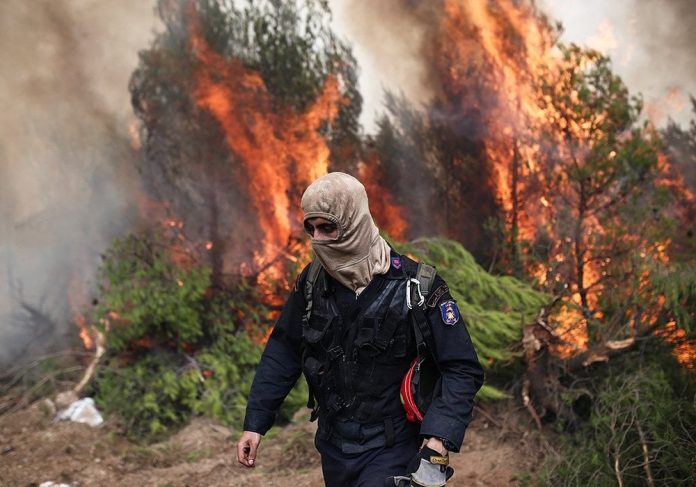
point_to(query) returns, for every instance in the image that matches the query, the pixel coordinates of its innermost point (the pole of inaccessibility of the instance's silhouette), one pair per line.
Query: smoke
(67, 173)
(651, 43)
(390, 40)
(665, 64)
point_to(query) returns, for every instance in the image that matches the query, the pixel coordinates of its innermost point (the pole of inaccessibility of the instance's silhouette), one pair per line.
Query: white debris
(81, 411)
(52, 484)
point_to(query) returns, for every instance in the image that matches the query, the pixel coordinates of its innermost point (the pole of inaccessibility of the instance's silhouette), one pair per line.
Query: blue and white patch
(396, 262)
(449, 312)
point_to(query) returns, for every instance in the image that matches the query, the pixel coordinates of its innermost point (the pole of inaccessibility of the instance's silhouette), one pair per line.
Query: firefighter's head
(344, 236)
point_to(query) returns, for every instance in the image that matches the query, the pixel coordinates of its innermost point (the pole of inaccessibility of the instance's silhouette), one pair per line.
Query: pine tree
(495, 308)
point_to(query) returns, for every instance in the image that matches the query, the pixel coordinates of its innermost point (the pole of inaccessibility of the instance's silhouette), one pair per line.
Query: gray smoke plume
(67, 180)
(651, 45)
(390, 40)
(665, 59)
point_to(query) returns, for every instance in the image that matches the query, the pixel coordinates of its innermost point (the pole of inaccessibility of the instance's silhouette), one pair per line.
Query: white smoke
(389, 43)
(651, 42)
(67, 173)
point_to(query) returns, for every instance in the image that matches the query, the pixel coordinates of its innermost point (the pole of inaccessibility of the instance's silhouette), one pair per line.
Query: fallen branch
(65, 398)
(601, 352)
(89, 372)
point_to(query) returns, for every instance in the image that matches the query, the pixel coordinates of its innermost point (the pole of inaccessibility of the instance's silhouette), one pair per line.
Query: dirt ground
(33, 450)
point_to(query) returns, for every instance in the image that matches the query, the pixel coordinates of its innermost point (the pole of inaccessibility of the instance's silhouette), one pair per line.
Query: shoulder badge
(449, 312)
(396, 262)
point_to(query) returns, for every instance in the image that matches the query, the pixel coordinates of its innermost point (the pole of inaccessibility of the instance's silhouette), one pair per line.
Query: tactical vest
(354, 365)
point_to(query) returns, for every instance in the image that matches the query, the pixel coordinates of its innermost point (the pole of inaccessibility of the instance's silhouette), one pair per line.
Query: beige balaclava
(359, 252)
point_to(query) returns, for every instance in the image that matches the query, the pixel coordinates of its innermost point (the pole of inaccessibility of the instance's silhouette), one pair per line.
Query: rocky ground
(34, 449)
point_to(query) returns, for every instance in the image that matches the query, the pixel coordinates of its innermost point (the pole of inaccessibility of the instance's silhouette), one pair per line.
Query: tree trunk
(580, 251)
(515, 257)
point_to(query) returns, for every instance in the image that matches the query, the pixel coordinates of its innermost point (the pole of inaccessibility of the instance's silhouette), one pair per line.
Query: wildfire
(684, 349)
(273, 150)
(280, 149)
(671, 179)
(181, 250)
(389, 215)
(505, 44)
(78, 298)
(659, 109)
(489, 57)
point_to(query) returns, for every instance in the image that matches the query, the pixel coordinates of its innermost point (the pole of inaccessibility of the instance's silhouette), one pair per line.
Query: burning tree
(680, 152)
(570, 190)
(241, 109)
(437, 174)
(603, 206)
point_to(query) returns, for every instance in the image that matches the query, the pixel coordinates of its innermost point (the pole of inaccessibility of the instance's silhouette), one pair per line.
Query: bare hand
(246, 448)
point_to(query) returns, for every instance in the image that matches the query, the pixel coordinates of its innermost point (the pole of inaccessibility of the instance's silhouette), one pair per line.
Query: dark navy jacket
(446, 418)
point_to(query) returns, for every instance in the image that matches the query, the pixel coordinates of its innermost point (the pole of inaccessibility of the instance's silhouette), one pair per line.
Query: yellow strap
(439, 460)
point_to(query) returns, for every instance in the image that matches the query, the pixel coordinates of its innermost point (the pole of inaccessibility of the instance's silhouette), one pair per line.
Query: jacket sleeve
(280, 365)
(462, 376)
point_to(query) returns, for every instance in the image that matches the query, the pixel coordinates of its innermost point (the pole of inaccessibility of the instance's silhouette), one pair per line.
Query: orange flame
(684, 349)
(489, 56)
(505, 44)
(78, 298)
(388, 215)
(280, 149)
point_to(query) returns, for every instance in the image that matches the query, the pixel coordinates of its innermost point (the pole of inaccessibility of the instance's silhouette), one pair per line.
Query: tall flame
(489, 56)
(280, 149)
(389, 216)
(505, 44)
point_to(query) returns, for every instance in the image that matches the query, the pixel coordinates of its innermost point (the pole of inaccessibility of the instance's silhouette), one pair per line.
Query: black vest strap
(426, 276)
(421, 327)
(312, 274)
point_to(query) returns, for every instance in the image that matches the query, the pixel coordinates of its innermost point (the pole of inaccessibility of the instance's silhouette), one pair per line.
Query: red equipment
(418, 387)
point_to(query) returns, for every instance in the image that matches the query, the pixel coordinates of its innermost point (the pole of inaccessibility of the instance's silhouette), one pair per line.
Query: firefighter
(349, 331)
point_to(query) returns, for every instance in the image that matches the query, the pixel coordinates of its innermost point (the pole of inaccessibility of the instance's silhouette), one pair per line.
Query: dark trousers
(366, 469)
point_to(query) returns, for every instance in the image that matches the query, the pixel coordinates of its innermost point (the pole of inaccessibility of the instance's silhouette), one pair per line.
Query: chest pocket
(319, 331)
(384, 338)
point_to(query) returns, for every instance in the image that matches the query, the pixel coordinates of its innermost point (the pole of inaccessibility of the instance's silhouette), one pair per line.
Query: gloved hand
(428, 469)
